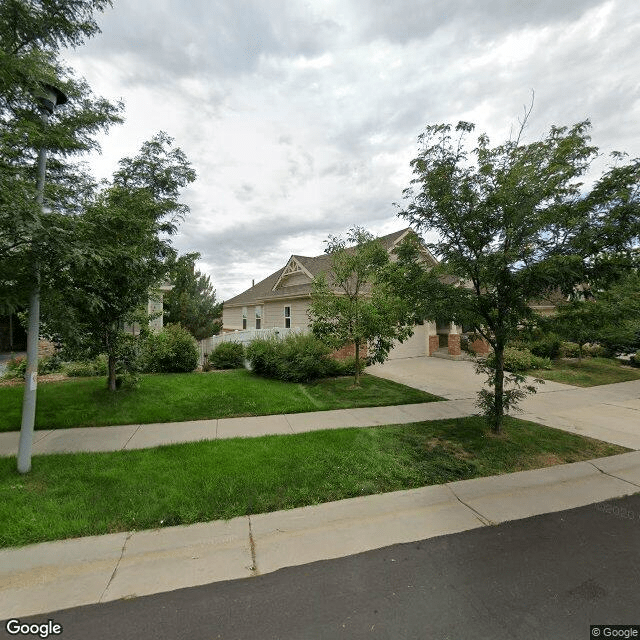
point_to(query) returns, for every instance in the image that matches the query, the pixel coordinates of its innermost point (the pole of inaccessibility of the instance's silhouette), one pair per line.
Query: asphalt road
(547, 577)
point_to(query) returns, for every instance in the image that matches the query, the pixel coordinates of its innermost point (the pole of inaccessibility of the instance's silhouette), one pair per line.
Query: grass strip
(178, 397)
(82, 494)
(588, 373)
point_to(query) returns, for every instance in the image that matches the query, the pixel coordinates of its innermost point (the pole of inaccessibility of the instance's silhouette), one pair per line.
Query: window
(258, 317)
(244, 317)
(287, 317)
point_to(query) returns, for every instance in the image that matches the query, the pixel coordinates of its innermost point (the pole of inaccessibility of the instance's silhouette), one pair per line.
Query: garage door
(413, 347)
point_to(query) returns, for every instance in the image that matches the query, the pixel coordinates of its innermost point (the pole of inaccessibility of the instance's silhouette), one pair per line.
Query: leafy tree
(31, 36)
(514, 224)
(123, 251)
(352, 304)
(610, 317)
(192, 301)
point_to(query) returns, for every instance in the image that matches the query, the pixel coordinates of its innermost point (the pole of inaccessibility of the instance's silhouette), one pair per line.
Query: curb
(52, 576)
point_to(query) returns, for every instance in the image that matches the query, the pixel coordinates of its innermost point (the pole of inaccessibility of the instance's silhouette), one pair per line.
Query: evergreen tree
(192, 301)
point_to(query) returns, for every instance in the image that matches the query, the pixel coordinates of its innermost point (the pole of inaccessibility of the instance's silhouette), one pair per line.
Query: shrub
(595, 351)
(173, 350)
(80, 369)
(635, 359)
(263, 356)
(540, 363)
(570, 350)
(296, 358)
(101, 365)
(50, 364)
(546, 347)
(519, 360)
(227, 355)
(16, 367)
(345, 366)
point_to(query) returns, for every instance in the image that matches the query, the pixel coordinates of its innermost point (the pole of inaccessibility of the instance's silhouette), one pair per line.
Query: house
(155, 307)
(282, 300)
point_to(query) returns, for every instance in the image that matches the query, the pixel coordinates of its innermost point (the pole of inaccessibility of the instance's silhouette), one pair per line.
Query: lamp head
(49, 97)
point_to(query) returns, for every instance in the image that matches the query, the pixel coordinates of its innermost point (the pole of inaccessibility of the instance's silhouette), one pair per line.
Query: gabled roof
(294, 266)
(269, 289)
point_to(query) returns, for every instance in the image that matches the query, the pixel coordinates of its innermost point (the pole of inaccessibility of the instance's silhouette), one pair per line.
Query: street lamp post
(47, 99)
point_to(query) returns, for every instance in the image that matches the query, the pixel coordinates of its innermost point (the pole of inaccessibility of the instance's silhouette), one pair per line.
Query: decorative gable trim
(424, 250)
(294, 267)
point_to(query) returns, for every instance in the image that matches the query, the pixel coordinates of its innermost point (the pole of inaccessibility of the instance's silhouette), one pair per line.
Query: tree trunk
(356, 382)
(112, 372)
(498, 390)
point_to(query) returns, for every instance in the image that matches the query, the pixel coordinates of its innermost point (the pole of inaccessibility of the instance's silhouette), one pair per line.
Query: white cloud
(301, 119)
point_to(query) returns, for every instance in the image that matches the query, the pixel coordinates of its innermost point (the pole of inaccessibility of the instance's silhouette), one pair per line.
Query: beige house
(282, 301)
(155, 307)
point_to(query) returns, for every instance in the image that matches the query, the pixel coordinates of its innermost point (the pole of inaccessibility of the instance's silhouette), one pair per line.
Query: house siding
(274, 313)
(295, 279)
(232, 318)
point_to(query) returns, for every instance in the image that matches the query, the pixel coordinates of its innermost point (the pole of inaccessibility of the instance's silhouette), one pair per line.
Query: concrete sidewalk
(50, 576)
(137, 436)
(57, 575)
(610, 413)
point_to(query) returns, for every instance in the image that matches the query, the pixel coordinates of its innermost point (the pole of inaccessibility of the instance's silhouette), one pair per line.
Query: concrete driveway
(606, 412)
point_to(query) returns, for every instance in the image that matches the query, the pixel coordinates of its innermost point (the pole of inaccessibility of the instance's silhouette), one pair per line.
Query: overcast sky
(301, 118)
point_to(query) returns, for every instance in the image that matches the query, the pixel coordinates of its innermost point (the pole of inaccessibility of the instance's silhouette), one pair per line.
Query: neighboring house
(283, 298)
(155, 309)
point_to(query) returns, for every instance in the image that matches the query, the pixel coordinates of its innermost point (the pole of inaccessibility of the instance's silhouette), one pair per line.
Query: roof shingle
(315, 265)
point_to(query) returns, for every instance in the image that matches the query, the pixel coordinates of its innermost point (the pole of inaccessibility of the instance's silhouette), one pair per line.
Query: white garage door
(414, 346)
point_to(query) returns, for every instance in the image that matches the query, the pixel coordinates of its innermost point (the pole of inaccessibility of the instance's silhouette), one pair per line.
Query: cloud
(301, 118)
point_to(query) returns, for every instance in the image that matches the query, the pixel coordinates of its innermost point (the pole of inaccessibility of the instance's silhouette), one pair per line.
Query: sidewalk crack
(44, 437)
(284, 415)
(124, 446)
(620, 406)
(478, 515)
(113, 575)
(634, 484)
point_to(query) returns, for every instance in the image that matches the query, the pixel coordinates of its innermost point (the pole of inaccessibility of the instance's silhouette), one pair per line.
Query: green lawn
(176, 397)
(588, 373)
(85, 494)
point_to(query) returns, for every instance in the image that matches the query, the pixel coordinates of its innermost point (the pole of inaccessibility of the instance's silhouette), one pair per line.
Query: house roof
(268, 288)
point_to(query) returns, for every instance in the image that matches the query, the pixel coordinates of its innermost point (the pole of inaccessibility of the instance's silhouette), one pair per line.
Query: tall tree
(124, 250)
(192, 301)
(514, 224)
(31, 36)
(352, 304)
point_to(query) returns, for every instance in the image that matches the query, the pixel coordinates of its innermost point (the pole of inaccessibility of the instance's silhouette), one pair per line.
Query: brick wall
(349, 351)
(434, 344)
(454, 344)
(480, 346)
(45, 348)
